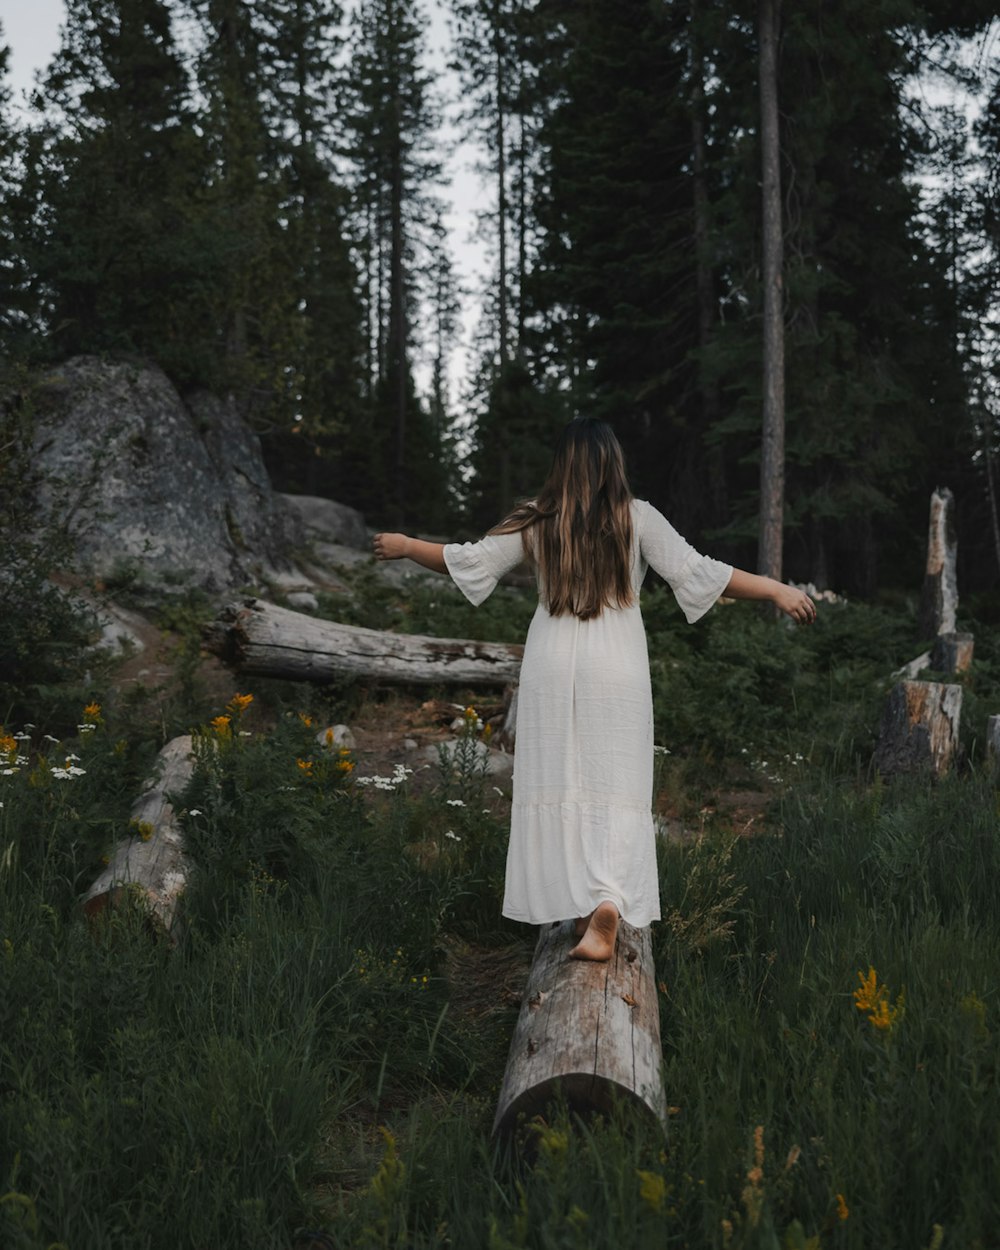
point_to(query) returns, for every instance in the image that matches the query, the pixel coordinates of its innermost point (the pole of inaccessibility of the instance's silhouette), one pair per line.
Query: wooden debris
(919, 728)
(262, 639)
(150, 861)
(588, 1031)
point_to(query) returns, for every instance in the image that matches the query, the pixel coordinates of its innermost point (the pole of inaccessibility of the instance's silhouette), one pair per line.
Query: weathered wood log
(589, 1032)
(993, 742)
(939, 600)
(919, 728)
(952, 653)
(261, 639)
(151, 860)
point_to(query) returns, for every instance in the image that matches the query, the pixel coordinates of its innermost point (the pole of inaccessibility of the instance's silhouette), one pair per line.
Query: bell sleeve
(696, 580)
(476, 568)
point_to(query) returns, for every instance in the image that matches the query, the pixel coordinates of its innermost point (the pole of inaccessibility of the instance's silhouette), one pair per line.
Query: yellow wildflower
(652, 1189)
(328, 737)
(843, 1210)
(142, 828)
(221, 726)
(8, 745)
(306, 766)
(239, 703)
(92, 713)
(873, 999)
(344, 766)
(306, 720)
(471, 713)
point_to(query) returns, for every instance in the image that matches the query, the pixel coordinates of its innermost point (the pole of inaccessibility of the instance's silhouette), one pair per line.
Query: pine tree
(111, 169)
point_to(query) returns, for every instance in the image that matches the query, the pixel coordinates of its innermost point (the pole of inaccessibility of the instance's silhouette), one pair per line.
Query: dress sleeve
(696, 580)
(476, 568)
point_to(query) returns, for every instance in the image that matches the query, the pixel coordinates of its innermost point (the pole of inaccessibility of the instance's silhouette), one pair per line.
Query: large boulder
(328, 522)
(162, 492)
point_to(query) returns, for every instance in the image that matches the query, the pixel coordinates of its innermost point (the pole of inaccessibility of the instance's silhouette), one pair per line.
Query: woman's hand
(795, 603)
(390, 546)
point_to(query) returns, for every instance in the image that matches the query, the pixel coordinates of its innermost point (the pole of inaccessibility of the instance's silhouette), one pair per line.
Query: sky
(31, 29)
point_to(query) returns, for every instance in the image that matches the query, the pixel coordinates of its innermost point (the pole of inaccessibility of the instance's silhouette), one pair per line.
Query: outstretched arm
(794, 603)
(401, 546)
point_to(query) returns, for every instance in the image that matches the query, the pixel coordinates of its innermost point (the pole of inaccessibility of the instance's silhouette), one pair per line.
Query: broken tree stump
(993, 742)
(919, 728)
(939, 599)
(261, 639)
(589, 1032)
(952, 653)
(151, 860)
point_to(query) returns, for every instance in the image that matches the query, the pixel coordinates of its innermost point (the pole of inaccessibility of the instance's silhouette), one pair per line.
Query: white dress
(581, 819)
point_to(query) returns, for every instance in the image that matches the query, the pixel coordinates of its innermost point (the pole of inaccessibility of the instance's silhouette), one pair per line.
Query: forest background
(249, 195)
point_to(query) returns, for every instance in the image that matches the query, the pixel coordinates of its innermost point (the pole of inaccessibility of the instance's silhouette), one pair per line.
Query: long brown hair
(578, 531)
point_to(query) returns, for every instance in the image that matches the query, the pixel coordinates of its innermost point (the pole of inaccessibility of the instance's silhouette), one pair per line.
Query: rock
(160, 493)
(302, 601)
(410, 744)
(336, 736)
(498, 763)
(327, 521)
(121, 630)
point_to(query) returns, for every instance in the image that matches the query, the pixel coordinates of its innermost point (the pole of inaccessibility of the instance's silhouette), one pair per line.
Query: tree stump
(939, 600)
(261, 639)
(919, 728)
(588, 1031)
(993, 742)
(151, 860)
(952, 653)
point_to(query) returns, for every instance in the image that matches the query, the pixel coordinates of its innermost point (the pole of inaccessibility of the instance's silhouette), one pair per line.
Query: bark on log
(919, 728)
(952, 653)
(590, 1031)
(261, 639)
(939, 600)
(156, 866)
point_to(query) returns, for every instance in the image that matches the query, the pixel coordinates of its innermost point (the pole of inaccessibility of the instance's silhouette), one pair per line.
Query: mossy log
(587, 1032)
(261, 639)
(919, 729)
(150, 862)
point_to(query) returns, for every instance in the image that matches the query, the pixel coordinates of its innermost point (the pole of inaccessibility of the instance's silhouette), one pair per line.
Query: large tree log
(261, 639)
(588, 1031)
(151, 860)
(939, 600)
(919, 728)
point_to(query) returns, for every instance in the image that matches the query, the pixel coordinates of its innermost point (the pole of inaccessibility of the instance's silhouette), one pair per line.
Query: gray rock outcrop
(325, 521)
(160, 492)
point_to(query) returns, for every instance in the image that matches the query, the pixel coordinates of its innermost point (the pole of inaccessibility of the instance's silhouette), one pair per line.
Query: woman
(582, 841)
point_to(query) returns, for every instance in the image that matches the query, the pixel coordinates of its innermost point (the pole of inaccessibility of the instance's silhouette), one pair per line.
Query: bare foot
(598, 943)
(580, 925)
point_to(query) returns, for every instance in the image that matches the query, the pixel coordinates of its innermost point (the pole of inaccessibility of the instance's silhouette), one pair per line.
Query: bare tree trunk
(772, 457)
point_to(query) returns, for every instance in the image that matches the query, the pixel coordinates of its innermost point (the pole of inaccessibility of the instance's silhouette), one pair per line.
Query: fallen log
(919, 728)
(588, 1032)
(151, 860)
(262, 639)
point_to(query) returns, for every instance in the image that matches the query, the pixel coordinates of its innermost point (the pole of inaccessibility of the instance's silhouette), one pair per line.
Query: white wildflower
(449, 833)
(455, 802)
(497, 790)
(86, 729)
(195, 811)
(49, 738)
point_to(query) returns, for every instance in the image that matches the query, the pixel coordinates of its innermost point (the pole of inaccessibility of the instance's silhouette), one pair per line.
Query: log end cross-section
(586, 1032)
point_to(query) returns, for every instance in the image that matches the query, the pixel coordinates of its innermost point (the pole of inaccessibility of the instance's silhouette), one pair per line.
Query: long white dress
(581, 819)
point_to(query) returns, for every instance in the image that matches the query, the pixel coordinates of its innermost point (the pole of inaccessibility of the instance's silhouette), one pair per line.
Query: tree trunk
(590, 1031)
(772, 454)
(263, 640)
(151, 861)
(952, 653)
(993, 742)
(919, 729)
(939, 600)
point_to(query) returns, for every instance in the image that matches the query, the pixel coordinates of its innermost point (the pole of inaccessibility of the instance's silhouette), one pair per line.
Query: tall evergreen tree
(393, 126)
(112, 168)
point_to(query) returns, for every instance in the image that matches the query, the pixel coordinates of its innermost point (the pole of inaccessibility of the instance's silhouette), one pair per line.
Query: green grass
(309, 1057)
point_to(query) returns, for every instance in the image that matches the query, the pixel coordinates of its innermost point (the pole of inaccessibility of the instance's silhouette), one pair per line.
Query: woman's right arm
(401, 546)
(794, 603)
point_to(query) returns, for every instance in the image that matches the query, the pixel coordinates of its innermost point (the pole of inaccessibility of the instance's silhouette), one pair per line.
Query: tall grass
(310, 1056)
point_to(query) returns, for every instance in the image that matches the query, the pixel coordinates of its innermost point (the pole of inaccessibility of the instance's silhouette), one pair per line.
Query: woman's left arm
(794, 603)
